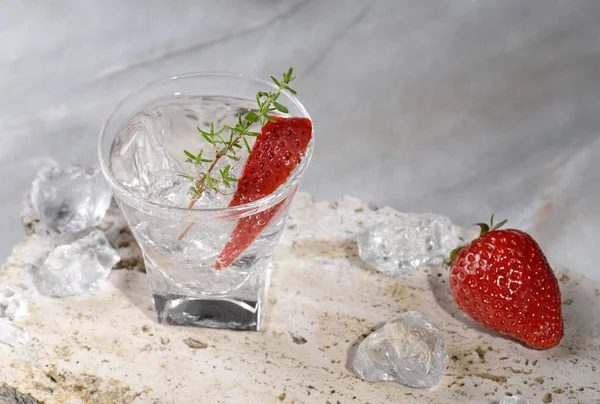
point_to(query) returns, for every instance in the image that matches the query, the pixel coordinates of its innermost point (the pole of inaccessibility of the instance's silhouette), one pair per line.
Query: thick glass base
(213, 313)
(232, 298)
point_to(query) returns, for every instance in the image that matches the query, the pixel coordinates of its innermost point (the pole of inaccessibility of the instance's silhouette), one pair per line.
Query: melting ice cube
(78, 268)
(70, 199)
(12, 304)
(409, 241)
(408, 350)
(168, 188)
(12, 334)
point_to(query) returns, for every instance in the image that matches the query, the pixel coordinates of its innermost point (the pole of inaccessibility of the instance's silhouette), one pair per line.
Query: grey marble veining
(463, 108)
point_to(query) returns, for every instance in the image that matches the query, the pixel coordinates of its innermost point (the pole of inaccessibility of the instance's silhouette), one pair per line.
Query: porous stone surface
(323, 301)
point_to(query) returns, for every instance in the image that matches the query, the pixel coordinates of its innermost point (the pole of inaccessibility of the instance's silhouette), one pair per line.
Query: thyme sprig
(229, 140)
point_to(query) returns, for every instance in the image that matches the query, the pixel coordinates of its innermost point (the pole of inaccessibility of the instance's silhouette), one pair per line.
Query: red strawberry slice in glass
(276, 153)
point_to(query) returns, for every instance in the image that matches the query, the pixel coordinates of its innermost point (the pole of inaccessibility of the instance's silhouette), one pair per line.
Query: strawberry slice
(276, 153)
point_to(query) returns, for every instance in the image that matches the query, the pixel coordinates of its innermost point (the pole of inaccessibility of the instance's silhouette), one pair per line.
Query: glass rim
(270, 200)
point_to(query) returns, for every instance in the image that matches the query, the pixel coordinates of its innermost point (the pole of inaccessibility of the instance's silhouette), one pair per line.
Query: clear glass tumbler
(141, 141)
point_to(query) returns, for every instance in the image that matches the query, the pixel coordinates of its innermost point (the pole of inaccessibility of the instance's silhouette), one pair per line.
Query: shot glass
(142, 140)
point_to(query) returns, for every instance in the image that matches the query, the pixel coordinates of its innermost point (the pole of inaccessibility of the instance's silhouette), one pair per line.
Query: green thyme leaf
(280, 107)
(291, 90)
(251, 116)
(247, 145)
(187, 177)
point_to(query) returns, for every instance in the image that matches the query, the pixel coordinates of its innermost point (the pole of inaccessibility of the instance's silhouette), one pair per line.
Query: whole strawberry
(503, 281)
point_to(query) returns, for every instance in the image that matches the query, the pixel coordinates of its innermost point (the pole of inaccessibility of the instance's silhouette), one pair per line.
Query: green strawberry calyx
(485, 228)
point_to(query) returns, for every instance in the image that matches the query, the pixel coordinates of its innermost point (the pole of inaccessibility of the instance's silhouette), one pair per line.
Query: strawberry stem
(502, 223)
(485, 228)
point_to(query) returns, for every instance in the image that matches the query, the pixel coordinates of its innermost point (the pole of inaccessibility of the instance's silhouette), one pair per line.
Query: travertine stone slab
(323, 301)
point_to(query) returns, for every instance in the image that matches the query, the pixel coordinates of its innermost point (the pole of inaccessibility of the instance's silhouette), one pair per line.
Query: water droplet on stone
(513, 400)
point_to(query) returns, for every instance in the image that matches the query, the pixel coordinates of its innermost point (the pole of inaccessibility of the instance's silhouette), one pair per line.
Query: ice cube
(11, 334)
(78, 268)
(407, 242)
(513, 400)
(168, 188)
(408, 350)
(12, 304)
(139, 149)
(70, 199)
(151, 143)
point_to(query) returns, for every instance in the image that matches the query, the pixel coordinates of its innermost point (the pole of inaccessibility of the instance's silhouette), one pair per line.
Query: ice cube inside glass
(141, 153)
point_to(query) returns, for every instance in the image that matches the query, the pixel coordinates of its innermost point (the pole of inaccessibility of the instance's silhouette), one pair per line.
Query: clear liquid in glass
(145, 158)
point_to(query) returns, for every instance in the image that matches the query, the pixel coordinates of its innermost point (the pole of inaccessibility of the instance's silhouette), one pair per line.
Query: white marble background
(459, 107)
